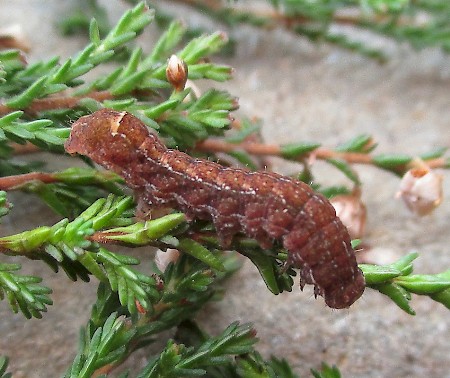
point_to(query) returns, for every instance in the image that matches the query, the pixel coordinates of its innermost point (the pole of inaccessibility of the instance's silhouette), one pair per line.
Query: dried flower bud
(163, 259)
(352, 212)
(421, 190)
(139, 307)
(177, 72)
(12, 37)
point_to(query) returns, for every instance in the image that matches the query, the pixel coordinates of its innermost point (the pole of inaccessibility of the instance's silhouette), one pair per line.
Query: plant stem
(15, 182)
(58, 102)
(273, 19)
(321, 153)
(23, 149)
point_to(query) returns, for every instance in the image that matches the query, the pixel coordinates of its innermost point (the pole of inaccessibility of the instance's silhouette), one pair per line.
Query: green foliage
(326, 372)
(23, 292)
(187, 285)
(187, 122)
(249, 365)
(346, 169)
(361, 143)
(67, 244)
(74, 190)
(113, 331)
(198, 251)
(132, 286)
(296, 150)
(176, 360)
(397, 282)
(69, 238)
(391, 161)
(3, 366)
(399, 20)
(270, 263)
(38, 132)
(281, 368)
(107, 344)
(42, 79)
(141, 233)
(4, 205)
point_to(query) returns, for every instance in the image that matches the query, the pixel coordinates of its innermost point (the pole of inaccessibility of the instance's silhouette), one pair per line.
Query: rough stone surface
(302, 92)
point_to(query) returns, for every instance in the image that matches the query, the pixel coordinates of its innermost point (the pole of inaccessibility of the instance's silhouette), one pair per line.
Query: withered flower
(12, 37)
(421, 190)
(352, 212)
(163, 259)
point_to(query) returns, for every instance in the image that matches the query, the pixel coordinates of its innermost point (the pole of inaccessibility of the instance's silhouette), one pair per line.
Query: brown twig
(58, 102)
(23, 149)
(341, 18)
(350, 16)
(321, 153)
(16, 181)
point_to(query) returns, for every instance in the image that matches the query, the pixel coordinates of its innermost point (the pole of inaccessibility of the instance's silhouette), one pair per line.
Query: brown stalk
(57, 102)
(275, 18)
(15, 182)
(321, 153)
(23, 149)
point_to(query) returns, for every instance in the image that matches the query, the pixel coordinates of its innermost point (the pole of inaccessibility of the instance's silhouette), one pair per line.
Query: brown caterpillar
(262, 205)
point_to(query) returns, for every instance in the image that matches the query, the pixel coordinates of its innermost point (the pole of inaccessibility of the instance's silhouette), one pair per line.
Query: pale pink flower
(163, 259)
(352, 213)
(421, 190)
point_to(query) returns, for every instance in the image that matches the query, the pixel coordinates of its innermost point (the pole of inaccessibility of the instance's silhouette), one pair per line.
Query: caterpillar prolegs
(262, 205)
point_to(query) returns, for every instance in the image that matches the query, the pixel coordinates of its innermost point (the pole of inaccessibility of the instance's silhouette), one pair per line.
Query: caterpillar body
(262, 205)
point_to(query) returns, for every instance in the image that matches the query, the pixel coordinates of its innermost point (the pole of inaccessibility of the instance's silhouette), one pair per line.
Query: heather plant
(39, 102)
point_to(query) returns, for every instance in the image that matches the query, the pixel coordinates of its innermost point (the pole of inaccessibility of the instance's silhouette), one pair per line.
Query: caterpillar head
(345, 295)
(108, 137)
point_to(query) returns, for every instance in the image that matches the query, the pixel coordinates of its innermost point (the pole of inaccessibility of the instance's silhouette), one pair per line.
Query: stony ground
(301, 92)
